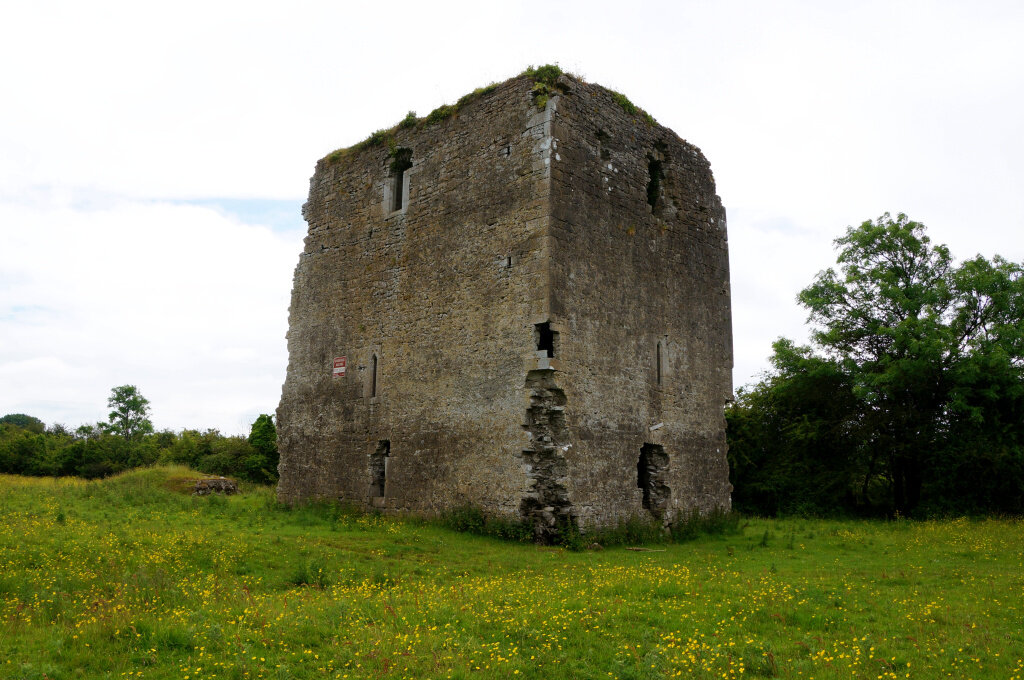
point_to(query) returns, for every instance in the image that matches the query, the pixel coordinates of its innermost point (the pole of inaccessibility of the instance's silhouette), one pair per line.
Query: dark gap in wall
(602, 137)
(658, 361)
(373, 377)
(651, 469)
(401, 161)
(545, 338)
(379, 468)
(656, 173)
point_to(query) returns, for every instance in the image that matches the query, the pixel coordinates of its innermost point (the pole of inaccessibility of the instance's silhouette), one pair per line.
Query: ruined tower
(518, 303)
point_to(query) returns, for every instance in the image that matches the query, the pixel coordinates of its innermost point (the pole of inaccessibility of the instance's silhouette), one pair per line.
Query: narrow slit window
(657, 361)
(373, 376)
(397, 190)
(545, 338)
(654, 184)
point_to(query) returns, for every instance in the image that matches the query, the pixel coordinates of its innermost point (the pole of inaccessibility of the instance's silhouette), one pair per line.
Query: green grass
(131, 576)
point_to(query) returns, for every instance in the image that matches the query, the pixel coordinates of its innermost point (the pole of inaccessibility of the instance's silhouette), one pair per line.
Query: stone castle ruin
(519, 303)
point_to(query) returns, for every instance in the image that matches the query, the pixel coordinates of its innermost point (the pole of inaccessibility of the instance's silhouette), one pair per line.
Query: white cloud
(120, 114)
(182, 301)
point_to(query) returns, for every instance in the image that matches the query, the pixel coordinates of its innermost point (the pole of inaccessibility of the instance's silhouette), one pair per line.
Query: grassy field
(132, 577)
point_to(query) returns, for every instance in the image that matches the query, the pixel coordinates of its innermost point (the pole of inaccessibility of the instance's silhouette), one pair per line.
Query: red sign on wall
(339, 367)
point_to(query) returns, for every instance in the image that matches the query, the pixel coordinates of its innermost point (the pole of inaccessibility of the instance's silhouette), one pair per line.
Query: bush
(471, 520)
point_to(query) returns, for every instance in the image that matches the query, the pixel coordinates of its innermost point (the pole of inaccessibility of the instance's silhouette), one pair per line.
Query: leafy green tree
(130, 415)
(933, 357)
(790, 449)
(20, 449)
(263, 435)
(262, 465)
(905, 324)
(23, 421)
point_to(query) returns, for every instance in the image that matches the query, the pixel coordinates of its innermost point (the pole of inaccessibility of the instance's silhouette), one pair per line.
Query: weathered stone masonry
(533, 304)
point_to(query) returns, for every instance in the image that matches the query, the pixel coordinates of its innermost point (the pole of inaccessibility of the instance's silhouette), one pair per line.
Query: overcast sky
(154, 158)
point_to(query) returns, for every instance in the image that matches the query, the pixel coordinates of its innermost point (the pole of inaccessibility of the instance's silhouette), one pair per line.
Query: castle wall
(539, 330)
(443, 293)
(627, 277)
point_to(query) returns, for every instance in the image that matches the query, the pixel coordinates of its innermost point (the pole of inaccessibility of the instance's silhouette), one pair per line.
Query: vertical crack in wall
(546, 504)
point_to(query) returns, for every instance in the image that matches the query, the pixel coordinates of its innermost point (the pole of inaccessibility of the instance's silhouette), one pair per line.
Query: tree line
(127, 440)
(909, 399)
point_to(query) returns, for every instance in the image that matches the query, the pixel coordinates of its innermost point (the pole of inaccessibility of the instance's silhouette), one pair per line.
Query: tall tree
(261, 466)
(130, 415)
(933, 354)
(884, 317)
(906, 325)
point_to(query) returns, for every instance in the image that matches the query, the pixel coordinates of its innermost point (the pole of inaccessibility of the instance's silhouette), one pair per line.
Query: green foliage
(633, 531)
(912, 399)
(263, 436)
(401, 159)
(311, 572)
(376, 139)
(715, 523)
(623, 102)
(261, 465)
(22, 451)
(143, 577)
(446, 111)
(440, 113)
(545, 78)
(253, 459)
(130, 415)
(547, 74)
(630, 108)
(471, 520)
(792, 450)
(97, 451)
(475, 94)
(545, 82)
(25, 422)
(409, 121)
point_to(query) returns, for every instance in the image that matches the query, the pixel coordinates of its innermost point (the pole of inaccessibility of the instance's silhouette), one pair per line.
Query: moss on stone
(545, 85)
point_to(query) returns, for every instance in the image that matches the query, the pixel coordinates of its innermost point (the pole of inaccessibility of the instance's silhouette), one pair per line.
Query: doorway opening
(651, 472)
(379, 468)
